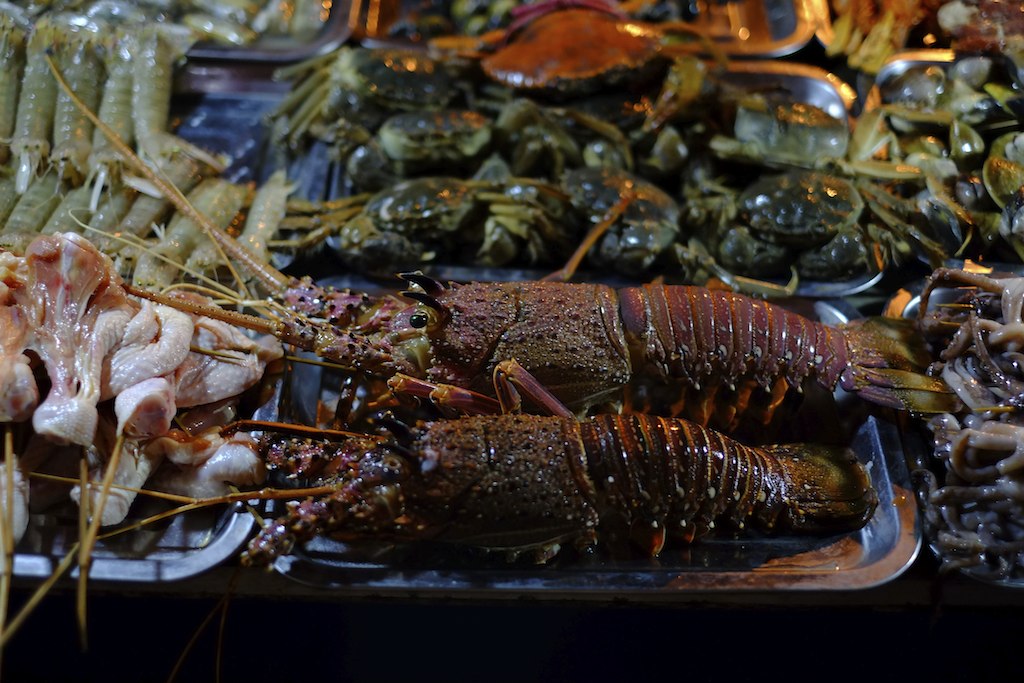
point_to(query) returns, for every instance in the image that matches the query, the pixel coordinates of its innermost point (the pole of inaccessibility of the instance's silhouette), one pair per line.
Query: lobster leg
(511, 382)
(462, 401)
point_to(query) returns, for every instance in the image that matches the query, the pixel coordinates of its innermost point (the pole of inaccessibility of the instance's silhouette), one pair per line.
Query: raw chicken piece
(12, 276)
(19, 394)
(146, 409)
(204, 466)
(78, 310)
(155, 342)
(134, 468)
(238, 365)
(19, 509)
(18, 391)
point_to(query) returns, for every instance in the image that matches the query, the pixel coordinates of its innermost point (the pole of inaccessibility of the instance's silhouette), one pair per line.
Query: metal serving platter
(316, 176)
(211, 67)
(178, 547)
(823, 89)
(770, 28)
(278, 49)
(874, 555)
(190, 544)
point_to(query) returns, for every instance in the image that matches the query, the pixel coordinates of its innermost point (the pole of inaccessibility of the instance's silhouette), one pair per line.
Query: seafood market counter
(168, 599)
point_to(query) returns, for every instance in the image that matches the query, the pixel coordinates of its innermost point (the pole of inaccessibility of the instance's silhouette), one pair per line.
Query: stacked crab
(622, 152)
(480, 154)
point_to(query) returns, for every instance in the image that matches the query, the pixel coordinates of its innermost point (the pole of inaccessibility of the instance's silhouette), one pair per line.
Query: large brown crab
(570, 48)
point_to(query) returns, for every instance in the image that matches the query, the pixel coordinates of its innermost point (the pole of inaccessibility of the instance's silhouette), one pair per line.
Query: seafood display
(612, 347)
(521, 157)
(956, 117)
(230, 24)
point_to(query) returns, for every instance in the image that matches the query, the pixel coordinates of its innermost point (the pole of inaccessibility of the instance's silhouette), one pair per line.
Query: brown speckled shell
(569, 336)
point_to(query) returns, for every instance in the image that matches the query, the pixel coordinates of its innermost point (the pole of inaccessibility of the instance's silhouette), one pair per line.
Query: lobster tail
(888, 361)
(827, 489)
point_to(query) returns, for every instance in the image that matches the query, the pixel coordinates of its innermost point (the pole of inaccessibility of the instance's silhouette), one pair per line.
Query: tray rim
(234, 527)
(807, 23)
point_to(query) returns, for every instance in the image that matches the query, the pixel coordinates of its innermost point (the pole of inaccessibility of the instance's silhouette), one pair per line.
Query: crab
(824, 225)
(360, 87)
(605, 48)
(418, 143)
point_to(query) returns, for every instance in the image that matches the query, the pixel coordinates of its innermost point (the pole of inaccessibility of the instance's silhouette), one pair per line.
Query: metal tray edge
(237, 526)
(336, 30)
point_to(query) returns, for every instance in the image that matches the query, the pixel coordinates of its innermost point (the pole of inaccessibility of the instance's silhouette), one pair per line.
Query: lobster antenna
(400, 432)
(426, 300)
(293, 429)
(426, 283)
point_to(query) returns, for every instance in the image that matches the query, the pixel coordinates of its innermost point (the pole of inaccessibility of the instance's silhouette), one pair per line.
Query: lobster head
(568, 336)
(450, 333)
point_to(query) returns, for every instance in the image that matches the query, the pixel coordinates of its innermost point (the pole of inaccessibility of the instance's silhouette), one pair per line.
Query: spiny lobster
(529, 484)
(715, 357)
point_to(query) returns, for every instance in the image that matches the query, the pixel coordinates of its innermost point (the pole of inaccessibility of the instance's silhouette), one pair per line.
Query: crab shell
(573, 52)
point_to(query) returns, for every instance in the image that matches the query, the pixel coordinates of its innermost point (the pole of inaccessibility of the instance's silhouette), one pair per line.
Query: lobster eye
(419, 319)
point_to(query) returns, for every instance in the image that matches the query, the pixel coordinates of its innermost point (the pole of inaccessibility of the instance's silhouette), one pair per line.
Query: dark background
(916, 628)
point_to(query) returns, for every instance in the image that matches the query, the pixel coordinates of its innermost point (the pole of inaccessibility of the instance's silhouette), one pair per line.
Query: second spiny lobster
(529, 484)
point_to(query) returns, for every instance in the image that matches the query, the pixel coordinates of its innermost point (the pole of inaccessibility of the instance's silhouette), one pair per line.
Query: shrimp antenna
(271, 278)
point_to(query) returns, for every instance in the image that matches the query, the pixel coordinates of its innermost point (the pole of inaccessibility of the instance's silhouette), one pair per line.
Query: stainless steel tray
(216, 68)
(277, 49)
(770, 28)
(825, 90)
(803, 82)
(874, 555)
(190, 544)
(178, 547)
(318, 177)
